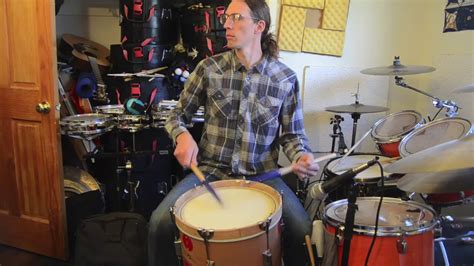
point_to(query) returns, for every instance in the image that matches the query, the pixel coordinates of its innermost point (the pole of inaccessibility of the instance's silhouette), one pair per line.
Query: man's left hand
(305, 166)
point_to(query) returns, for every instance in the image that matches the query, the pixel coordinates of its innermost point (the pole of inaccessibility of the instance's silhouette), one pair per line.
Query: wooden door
(32, 209)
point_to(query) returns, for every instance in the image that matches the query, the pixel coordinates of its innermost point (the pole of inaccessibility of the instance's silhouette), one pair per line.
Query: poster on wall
(459, 15)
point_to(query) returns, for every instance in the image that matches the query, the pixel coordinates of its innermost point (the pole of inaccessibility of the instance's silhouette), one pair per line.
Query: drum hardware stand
(302, 189)
(177, 240)
(131, 186)
(452, 107)
(206, 235)
(349, 222)
(337, 133)
(267, 254)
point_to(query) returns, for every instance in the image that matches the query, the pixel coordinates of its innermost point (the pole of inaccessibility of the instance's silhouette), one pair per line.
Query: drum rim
(383, 230)
(406, 139)
(329, 173)
(101, 108)
(102, 119)
(394, 138)
(221, 234)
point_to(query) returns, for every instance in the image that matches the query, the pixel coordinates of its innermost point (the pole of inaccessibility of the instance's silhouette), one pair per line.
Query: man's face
(240, 33)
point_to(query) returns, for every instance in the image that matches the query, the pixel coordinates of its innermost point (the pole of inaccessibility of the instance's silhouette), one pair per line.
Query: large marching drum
(245, 230)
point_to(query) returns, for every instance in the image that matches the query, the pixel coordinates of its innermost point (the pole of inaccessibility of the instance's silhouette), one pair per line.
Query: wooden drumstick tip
(310, 249)
(198, 172)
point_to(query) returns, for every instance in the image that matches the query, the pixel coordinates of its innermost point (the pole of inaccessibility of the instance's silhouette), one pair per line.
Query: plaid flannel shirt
(248, 115)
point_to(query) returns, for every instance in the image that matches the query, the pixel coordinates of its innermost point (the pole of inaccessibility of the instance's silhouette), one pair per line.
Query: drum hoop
(100, 109)
(395, 138)
(221, 235)
(383, 230)
(407, 138)
(70, 120)
(329, 173)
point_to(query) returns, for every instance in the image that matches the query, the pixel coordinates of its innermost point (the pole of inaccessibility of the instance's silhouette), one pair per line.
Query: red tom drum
(404, 236)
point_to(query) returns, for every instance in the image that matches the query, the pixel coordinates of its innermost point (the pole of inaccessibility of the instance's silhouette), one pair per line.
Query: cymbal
(438, 182)
(452, 155)
(397, 69)
(468, 88)
(356, 108)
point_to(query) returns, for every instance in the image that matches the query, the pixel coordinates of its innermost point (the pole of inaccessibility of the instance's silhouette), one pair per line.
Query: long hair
(260, 10)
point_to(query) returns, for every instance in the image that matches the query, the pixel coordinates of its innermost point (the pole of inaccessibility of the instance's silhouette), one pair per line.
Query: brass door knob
(43, 108)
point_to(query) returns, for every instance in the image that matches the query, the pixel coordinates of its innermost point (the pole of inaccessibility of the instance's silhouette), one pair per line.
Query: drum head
(372, 174)
(245, 205)
(396, 216)
(434, 133)
(396, 125)
(242, 207)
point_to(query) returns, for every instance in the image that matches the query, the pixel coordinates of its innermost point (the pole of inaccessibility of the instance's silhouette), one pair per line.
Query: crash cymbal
(452, 155)
(440, 182)
(468, 88)
(356, 108)
(397, 69)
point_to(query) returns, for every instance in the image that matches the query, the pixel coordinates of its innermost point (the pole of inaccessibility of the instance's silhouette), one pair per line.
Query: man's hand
(305, 166)
(186, 150)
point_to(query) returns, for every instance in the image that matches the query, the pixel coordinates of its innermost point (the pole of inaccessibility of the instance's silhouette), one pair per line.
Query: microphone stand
(349, 222)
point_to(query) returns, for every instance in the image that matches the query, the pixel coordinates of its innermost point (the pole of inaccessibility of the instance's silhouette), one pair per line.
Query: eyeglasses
(234, 17)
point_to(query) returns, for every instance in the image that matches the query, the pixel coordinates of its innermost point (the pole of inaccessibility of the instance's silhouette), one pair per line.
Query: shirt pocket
(267, 111)
(220, 96)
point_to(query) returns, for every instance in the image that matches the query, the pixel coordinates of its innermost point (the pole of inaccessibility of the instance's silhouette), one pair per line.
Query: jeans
(297, 224)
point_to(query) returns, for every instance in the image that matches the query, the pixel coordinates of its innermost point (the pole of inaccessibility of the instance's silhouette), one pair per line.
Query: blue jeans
(297, 224)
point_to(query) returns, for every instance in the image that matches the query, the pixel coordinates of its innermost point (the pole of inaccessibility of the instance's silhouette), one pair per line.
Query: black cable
(437, 113)
(377, 215)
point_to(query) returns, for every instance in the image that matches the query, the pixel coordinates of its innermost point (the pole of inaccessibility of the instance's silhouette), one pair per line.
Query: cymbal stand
(452, 107)
(355, 117)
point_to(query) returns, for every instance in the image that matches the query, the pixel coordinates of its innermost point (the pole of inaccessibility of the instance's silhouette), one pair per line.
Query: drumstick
(310, 249)
(288, 169)
(353, 147)
(203, 180)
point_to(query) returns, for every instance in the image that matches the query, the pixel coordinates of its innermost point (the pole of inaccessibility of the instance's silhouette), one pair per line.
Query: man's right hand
(186, 149)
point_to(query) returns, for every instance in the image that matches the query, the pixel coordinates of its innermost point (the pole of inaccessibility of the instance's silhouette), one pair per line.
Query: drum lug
(339, 235)
(267, 258)
(206, 235)
(402, 245)
(267, 254)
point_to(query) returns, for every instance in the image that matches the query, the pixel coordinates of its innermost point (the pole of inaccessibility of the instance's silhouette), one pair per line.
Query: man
(252, 107)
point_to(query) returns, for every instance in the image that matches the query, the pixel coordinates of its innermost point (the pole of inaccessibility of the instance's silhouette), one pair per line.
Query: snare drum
(405, 234)
(389, 131)
(236, 235)
(113, 109)
(86, 126)
(367, 180)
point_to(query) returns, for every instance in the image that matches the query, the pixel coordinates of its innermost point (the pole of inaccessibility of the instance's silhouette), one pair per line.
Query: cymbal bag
(132, 58)
(149, 92)
(162, 27)
(201, 29)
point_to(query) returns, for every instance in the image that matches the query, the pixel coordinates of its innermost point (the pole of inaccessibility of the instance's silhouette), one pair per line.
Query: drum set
(375, 219)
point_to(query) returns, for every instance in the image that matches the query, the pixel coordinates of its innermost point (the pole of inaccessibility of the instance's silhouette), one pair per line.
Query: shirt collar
(259, 67)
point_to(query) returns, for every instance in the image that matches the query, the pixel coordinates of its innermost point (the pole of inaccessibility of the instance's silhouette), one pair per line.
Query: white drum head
(434, 133)
(242, 207)
(372, 174)
(396, 216)
(395, 125)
